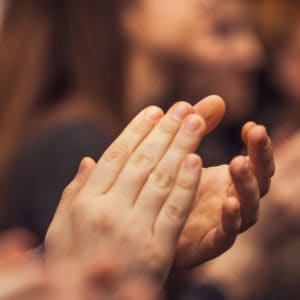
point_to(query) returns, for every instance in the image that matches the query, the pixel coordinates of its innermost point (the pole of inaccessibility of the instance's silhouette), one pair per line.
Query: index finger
(212, 110)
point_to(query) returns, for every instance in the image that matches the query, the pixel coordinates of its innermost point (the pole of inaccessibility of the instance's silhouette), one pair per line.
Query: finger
(25, 279)
(246, 189)
(144, 159)
(13, 244)
(212, 110)
(161, 181)
(85, 169)
(115, 157)
(261, 156)
(218, 239)
(174, 212)
(246, 129)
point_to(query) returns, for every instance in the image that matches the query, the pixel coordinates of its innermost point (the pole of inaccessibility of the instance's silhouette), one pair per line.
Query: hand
(227, 201)
(137, 198)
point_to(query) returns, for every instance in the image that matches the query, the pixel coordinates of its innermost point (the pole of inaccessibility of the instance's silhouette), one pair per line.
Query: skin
(219, 212)
(226, 58)
(213, 41)
(23, 275)
(138, 196)
(227, 201)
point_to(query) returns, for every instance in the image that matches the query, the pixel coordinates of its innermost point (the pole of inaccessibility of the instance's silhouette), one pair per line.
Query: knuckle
(181, 145)
(117, 152)
(142, 160)
(186, 182)
(167, 127)
(104, 222)
(175, 212)
(162, 179)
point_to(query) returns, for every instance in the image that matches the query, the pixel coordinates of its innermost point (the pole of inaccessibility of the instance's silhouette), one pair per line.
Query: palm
(198, 241)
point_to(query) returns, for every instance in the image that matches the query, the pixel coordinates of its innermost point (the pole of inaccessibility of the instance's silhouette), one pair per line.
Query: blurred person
(74, 103)
(90, 225)
(263, 263)
(229, 58)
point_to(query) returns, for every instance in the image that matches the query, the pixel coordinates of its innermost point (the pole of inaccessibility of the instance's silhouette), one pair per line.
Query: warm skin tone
(155, 187)
(23, 276)
(213, 40)
(138, 196)
(227, 55)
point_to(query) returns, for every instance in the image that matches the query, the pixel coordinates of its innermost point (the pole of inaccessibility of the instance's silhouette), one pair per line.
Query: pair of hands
(145, 202)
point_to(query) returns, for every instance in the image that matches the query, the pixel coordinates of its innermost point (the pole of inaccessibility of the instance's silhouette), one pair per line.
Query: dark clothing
(221, 146)
(46, 165)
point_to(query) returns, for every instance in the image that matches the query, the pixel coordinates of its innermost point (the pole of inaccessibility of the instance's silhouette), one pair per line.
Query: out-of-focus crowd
(73, 73)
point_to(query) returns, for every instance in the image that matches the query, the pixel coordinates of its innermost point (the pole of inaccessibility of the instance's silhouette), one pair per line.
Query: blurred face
(213, 38)
(162, 27)
(287, 67)
(226, 55)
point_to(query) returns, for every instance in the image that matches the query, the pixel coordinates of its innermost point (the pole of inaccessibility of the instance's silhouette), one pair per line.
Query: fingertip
(153, 113)
(86, 164)
(193, 162)
(212, 109)
(246, 129)
(194, 123)
(239, 165)
(259, 136)
(217, 101)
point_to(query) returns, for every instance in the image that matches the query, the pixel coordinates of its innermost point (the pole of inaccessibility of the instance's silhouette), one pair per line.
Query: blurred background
(74, 72)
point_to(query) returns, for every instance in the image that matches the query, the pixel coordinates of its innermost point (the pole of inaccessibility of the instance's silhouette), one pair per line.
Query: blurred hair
(276, 19)
(50, 49)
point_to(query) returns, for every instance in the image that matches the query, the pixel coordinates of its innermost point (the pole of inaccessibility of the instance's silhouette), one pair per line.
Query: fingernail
(180, 111)
(192, 123)
(153, 113)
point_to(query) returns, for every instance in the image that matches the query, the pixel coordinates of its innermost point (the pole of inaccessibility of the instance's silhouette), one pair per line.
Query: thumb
(85, 169)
